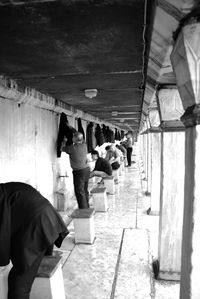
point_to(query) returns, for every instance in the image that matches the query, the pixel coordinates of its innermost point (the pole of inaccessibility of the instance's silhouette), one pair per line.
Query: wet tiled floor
(118, 264)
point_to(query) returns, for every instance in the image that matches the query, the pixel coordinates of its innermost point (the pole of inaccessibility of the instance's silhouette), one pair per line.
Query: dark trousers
(129, 154)
(81, 178)
(19, 284)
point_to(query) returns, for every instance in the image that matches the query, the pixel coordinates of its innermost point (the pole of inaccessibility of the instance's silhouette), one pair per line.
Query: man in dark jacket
(29, 226)
(102, 166)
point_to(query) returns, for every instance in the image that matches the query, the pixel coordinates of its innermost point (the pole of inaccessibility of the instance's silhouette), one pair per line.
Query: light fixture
(153, 117)
(114, 113)
(170, 104)
(90, 93)
(185, 59)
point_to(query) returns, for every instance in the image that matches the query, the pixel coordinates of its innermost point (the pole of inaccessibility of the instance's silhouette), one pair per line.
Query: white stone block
(4, 271)
(116, 175)
(49, 283)
(99, 199)
(109, 184)
(83, 220)
(121, 170)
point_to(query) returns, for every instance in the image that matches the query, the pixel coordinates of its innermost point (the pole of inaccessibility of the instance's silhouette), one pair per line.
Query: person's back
(78, 155)
(81, 171)
(112, 154)
(29, 226)
(128, 142)
(77, 152)
(103, 165)
(129, 148)
(122, 148)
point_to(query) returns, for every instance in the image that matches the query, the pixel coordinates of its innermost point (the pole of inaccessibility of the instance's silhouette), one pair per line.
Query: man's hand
(91, 174)
(63, 144)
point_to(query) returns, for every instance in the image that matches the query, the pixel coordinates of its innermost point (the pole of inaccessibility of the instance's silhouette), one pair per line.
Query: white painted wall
(28, 148)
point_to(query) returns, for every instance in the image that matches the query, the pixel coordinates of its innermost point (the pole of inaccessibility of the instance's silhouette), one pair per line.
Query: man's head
(77, 137)
(107, 148)
(95, 155)
(110, 148)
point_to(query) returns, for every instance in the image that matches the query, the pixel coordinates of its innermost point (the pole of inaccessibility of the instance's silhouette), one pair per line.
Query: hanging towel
(65, 130)
(99, 135)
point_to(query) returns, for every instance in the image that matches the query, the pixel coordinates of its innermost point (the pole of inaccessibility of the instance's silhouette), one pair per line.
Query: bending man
(102, 166)
(29, 226)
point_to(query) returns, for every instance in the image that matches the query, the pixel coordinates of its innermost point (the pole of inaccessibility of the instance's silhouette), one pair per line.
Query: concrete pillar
(171, 204)
(190, 270)
(149, 163)
(155, 173)
(145, 154)
(142, 154)
(185, 59)
(145, 159)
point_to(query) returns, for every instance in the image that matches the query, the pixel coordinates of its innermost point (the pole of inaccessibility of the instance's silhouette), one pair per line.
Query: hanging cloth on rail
(105, 133)
(112, 137)
(117, 137)
(65, 130)
(99, 135)
(109, 132)
(80, 128)
(90, 137)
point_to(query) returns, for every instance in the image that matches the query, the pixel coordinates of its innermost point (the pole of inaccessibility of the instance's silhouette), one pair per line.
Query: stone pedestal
(4, 271)
(116, 175)
(83, 220)
(99, 196)
(171, 207)
(123, 165)
(109, 184)
(49, 282)
(121, 169)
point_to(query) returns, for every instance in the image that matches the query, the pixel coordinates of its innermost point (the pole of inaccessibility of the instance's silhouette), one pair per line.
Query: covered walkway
(119, 263)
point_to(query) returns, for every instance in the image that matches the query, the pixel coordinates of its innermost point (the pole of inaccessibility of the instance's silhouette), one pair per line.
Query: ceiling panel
(64, 47)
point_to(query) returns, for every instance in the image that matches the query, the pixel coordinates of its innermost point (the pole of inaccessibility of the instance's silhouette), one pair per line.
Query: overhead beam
(16, 3)
(170, 9)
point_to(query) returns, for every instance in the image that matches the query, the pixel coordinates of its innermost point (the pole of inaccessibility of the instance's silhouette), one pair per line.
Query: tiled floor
(118, 264)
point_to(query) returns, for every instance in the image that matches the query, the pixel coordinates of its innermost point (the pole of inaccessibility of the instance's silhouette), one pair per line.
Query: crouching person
(29, 227)
(102, 166)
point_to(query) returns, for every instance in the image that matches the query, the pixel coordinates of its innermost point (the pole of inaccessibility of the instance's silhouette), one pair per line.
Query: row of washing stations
(111, 251)
(118, 263)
